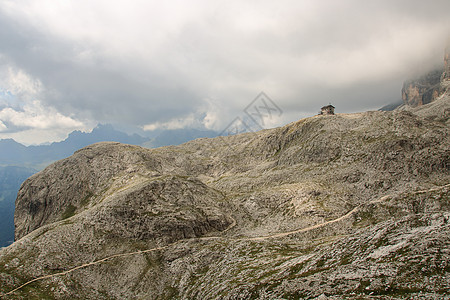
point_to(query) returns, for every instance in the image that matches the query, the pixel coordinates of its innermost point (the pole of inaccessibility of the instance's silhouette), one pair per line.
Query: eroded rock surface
(423, 90)
(344, 206)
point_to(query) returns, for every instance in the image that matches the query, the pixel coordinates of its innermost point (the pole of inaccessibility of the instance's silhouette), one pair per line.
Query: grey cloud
(352, 53)
(104, 90)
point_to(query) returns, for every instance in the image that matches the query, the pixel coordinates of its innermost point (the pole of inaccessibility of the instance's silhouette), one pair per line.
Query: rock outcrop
(427, 88)
(446, 74)
(423, 90)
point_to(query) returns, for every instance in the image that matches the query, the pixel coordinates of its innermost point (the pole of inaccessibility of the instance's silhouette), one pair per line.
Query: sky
(151, 65)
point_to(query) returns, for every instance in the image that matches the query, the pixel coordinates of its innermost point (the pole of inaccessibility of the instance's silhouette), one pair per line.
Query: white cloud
(211, 115)
(17, 85)
(36, 136)
(189, 121)
(22, 84)
(26, 119)
(34, 115)
(211, 120)
(2, 126)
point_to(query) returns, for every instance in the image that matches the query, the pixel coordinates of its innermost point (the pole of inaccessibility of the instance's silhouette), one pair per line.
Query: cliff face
(344, 205)
(427, 88)
(423, 90)
(446, 75)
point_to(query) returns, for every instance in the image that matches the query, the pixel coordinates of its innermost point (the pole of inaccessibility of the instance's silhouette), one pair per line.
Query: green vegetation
(69, 212)
(85, 200)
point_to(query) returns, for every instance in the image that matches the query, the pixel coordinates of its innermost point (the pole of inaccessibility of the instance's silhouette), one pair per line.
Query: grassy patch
(41, 232)
(347, 259)
(69, 212)
(170, 292)
(36, 291)
(85, 200)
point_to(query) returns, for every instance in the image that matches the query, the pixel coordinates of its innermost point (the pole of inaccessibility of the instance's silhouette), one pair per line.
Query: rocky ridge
(344, 206)
(423, 90)
(427, 88)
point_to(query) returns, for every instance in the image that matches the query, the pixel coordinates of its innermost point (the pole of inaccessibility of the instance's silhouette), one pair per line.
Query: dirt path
(283, 234)
(347, 215)
(276, 235)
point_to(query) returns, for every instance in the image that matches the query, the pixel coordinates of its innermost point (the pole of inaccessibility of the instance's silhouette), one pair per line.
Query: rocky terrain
(350, 206)
(446, 74)
(427, 88)
(422, 90)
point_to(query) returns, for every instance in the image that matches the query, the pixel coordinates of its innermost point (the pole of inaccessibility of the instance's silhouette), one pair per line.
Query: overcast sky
(67, 65)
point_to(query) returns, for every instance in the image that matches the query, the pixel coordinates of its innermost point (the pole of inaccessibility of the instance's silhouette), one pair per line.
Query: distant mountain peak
(14, 153)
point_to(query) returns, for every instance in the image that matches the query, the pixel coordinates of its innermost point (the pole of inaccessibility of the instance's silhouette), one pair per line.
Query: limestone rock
(351, 206)
(446, 75)
(423, 90)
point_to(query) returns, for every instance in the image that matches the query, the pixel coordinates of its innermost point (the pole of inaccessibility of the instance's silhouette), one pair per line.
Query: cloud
(21, 84)
(34, 136)
(34, 115)
(207, 116)
(2, 126)
(172, 124)
(153, 63)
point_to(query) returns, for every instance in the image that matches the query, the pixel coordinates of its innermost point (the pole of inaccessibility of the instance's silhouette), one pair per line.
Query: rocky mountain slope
(15, 156)
(422, 90)
(427, 88)
(346, 206)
